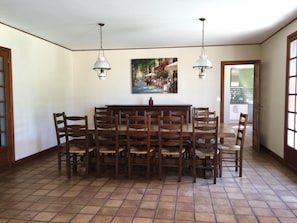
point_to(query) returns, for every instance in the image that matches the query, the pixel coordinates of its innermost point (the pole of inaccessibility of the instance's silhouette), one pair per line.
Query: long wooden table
(224, 130)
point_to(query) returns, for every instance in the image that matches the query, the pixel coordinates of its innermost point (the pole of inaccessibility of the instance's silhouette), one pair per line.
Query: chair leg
(98, 165)
(205, 167)
(194, 168)
(129, 166)
(220, 164)
(215, 170)
(148, 168)
(74, 163)
(160, 167)
(59, 159)
(87, 163)
(236, 161)
(116, 165)
(68, 166)
(240, 164)
(179, 167)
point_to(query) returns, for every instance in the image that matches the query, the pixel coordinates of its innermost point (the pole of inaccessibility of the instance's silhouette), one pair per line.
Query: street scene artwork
(154, 75)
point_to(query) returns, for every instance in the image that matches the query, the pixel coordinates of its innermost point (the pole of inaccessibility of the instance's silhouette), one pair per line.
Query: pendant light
(202, 63)
(101, 65)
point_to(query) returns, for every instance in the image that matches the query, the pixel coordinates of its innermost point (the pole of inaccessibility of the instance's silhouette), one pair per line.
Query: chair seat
(141, 151)
(172, 152)
(63, 145)
(204, 153)
(229, 147)
(78, 150)
(107, 150)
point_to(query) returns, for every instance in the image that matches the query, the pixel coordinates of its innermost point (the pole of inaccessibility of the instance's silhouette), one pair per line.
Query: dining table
(224, 130)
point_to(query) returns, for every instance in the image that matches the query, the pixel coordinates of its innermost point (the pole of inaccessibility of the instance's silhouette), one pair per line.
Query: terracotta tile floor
(36, 192)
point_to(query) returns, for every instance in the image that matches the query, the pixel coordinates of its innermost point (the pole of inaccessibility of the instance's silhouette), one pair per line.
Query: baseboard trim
(272, 154)
(278, 158)
(33, 157)
(52, 149)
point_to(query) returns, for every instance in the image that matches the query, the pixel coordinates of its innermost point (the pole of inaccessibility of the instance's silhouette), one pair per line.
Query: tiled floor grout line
(266, 193)
(245, 198)
(194, 202)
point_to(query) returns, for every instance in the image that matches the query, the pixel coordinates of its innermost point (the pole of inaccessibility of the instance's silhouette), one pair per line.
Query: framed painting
(154, 75)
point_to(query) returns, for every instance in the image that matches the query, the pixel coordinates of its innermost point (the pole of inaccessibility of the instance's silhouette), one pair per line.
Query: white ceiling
(148, 24)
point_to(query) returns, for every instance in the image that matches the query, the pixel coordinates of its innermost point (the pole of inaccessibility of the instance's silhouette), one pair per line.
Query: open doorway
(240, 92)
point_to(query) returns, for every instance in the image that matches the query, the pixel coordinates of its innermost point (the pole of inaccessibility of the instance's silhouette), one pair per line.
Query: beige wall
(42, 84)
(273, 55)
(116, 89)
(48, 78)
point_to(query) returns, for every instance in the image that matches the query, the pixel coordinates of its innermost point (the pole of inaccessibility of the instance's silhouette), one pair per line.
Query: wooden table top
(224, 130)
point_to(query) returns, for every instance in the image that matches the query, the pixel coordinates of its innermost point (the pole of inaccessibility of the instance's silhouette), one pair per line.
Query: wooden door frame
(256, 104)
(8, 153)
(290, 153)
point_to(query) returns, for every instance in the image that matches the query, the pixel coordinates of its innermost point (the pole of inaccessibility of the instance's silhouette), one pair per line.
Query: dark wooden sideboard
(165, 108)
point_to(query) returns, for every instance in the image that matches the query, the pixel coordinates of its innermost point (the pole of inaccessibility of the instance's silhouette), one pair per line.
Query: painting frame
(154, 75)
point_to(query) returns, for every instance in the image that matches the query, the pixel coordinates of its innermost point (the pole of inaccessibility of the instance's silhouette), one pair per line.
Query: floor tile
(36, 192)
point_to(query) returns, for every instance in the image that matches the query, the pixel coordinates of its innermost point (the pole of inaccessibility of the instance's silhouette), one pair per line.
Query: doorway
(240, 92)
(6, 110)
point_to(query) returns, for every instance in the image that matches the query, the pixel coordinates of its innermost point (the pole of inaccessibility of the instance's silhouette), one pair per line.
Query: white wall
(48, 78)
(116, 89)
(273, 90)
(42, 84)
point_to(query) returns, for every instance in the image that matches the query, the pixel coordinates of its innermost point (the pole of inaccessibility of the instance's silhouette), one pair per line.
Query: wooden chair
(108, 149)
(61, 137)
(205, 146)
(123, 115)
(179, 113)
(186, 141)
(231, 155)
(204, 114)
(79, 144)
(154, 121)
(140, 152)
(171, 149)
(101, 111)
(197, 111)
(154, 115)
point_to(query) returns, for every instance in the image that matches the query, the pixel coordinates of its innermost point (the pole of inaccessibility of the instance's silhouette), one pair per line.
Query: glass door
(290, 153)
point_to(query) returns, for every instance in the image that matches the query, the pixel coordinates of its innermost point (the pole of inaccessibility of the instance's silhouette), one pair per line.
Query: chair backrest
(59, 126)
(138, 131)
(196, 111)
(77, 132)
(242, 123)
(170, 130)
(180, 113)
(204, 114)
(154, 115)
(123, 115)
(101, 111)
(205, 133)
(106, 131)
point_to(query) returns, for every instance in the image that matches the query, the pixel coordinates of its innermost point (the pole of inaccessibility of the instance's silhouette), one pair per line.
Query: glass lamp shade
(202, 74)
(101, 74)
(203, 62)
(101, 64)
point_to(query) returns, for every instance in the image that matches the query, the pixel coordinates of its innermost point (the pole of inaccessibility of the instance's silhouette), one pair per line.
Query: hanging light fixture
(202, 63)
(101, 65)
